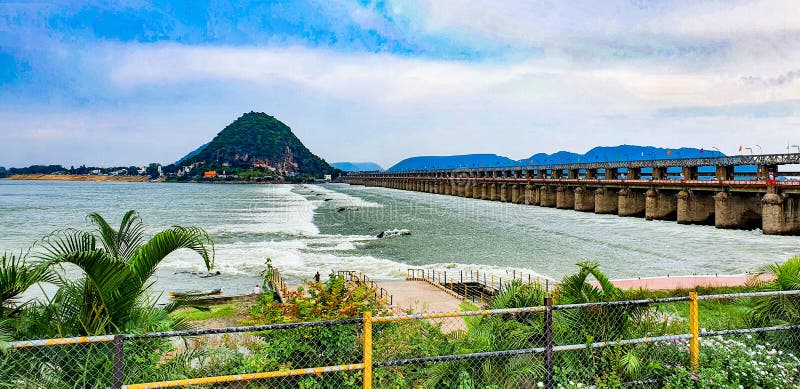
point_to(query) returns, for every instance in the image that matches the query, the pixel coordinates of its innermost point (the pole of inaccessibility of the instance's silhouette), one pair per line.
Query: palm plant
(783, 310)
(497, 333)
(16, 277)
(596, 323)
(117, 265)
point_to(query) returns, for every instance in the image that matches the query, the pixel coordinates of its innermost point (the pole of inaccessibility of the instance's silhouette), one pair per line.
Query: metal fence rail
(545, 345)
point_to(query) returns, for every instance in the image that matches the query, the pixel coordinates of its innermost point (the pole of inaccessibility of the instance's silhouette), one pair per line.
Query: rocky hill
(258, 141)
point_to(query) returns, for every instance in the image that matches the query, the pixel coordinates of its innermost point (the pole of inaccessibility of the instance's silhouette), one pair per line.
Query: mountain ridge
(358, 166)
(600, 153)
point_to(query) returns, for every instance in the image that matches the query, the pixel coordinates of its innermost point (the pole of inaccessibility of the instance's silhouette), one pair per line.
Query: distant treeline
(150, 170)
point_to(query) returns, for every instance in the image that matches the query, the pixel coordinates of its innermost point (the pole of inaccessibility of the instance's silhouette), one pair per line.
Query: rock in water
(393, 233)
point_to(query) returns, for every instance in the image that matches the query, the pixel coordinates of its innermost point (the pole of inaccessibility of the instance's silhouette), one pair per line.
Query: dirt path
(683, 282)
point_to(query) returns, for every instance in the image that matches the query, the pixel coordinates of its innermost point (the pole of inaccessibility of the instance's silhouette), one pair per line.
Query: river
(310, 228)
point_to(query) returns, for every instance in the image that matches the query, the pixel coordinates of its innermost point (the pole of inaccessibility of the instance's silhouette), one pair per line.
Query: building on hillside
(210, 174)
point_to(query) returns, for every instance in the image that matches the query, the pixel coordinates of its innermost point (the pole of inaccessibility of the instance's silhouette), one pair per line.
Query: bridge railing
(475, 285)
(359, 278)
(733, 160)
(633, 342)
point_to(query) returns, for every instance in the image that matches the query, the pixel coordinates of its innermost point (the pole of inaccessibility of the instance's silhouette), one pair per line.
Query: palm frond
(147, 257)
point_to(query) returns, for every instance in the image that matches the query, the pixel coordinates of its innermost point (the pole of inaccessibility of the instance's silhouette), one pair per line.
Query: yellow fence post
(694, 329)
(367, 350)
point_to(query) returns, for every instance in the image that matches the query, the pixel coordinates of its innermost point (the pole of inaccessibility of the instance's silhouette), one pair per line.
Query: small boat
(195, 293)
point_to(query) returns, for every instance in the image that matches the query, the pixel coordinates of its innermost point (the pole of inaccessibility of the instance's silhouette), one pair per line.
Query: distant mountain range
(358, 166)
(603, 153)
(258, 141)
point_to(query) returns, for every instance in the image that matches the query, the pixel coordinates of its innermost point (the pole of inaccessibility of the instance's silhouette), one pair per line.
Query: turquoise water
(310, 228)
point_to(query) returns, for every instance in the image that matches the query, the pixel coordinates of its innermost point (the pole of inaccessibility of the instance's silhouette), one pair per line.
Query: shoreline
(687, 282)
(82, 178)
(76, 178)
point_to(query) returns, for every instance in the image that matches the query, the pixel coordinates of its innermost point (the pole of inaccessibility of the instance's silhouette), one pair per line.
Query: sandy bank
(685, 282)
(67, 177)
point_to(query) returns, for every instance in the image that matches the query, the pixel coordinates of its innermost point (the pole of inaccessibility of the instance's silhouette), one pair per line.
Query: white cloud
(395, 81)
(606, 74)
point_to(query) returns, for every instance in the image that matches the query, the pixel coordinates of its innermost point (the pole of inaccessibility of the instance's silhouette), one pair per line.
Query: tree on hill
(258, 140)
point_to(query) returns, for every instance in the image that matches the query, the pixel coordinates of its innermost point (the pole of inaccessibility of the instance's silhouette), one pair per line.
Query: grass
(220, 311)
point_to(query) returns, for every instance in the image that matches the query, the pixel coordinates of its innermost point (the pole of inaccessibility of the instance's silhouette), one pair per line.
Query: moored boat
(195, 293)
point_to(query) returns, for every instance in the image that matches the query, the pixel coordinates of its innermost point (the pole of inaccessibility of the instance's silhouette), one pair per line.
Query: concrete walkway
(420, 297)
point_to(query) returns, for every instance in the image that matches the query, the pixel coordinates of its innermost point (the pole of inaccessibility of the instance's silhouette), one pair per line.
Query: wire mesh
(643, 343)
(81, 365)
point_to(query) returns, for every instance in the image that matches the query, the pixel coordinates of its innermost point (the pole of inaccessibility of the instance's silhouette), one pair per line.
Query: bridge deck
(420, 297)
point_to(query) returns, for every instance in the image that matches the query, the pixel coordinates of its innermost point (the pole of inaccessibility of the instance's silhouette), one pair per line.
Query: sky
(131, 82)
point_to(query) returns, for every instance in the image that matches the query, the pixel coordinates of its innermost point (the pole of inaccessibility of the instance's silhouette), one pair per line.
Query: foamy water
(304, 229)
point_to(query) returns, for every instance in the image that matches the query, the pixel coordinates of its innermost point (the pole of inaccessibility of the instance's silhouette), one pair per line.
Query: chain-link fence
(674, 342)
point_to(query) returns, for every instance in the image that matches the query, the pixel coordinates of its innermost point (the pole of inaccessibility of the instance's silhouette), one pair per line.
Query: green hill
(257, 141)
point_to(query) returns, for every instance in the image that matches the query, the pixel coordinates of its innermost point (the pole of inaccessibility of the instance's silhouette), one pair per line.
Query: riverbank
(689, 282)
(71, 177)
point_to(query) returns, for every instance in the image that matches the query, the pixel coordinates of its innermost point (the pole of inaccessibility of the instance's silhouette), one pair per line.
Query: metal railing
(733, 160)
(475, 285)
(277, 284)
(561, 343)
(359, 278)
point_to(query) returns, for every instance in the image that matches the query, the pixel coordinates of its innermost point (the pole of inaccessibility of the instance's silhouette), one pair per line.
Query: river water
(310, 228)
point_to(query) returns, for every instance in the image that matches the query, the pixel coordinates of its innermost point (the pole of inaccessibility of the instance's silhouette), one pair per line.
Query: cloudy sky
(141, 81)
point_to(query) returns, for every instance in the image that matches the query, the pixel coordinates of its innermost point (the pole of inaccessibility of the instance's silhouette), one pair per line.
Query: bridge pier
(781, 213)
(493, 195)
(631, 203)
(584, 199)
(529, 195)
(565, 198)
(476, 190)
(503, 192)
(737, 210)
(606, 201)
(484, 191)
(514, 193)
(547, 196)
(661, 205)
(695, 207)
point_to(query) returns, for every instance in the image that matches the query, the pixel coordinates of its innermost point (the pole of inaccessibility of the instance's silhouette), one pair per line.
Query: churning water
(310, 228)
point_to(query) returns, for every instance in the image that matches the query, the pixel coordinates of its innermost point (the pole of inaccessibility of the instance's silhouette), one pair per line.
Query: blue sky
(130, 82)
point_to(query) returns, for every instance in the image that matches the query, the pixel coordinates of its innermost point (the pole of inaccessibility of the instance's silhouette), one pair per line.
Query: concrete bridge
(603, 187)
